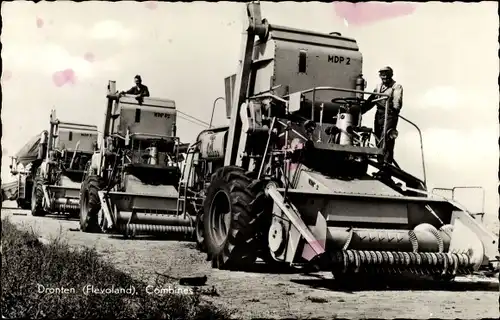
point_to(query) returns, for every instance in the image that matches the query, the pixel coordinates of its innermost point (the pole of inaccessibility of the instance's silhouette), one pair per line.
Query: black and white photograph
(249, 160)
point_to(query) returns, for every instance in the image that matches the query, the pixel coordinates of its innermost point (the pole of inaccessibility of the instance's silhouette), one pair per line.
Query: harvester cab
(63, 151)
(288, 180)
(131, 186)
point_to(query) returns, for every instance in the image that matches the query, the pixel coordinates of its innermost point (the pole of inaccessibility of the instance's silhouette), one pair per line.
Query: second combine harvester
(58, 170)
(288, 180)
(131, 183)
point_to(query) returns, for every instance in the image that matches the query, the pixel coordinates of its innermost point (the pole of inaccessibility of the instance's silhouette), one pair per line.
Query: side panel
(298, 60)
(68, 138)
(146, 119)
(264, 66)
(324, 66)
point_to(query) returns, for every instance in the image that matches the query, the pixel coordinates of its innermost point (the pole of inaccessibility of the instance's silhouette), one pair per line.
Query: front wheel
(200, 233)
(231, 223)
(90, 205)
(37, 198)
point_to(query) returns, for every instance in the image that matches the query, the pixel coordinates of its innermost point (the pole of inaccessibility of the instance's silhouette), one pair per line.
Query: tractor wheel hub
(276, 236)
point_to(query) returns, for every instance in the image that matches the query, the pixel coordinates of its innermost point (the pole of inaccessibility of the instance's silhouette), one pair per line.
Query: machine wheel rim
(200, 237)
(84, 206)
(220, 217)
(33, 199)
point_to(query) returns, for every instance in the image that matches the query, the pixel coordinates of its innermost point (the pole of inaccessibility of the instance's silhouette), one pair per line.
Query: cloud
(58, 58)
(455, 97)
(72, 31)
(111, 29)
(46, 59)
(450, 144)
(441, 97)
(448, 149)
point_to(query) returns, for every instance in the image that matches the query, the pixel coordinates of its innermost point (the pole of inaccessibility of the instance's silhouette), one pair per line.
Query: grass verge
(28, 264)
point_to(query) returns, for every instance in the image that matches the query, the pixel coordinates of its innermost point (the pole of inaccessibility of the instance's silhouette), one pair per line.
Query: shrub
(28, 264)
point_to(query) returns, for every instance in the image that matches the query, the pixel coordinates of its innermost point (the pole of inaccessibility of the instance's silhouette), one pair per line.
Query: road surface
(266, 295)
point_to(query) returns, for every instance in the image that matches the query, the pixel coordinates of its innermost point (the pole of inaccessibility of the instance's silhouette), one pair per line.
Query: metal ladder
(21, 187)
(182, 199)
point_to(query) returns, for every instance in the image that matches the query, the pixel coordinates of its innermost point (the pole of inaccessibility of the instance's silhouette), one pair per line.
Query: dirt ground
(266, 295)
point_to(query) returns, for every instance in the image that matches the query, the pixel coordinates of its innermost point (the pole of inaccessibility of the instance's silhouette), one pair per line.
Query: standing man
(139, 90)
(395, 99)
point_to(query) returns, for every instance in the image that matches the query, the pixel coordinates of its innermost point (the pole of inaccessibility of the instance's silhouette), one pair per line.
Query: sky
(62, 54)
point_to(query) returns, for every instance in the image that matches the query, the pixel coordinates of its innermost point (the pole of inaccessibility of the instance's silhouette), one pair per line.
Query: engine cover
(212, 145)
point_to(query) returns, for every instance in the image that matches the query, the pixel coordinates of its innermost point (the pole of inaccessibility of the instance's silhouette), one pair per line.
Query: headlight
(393, 134)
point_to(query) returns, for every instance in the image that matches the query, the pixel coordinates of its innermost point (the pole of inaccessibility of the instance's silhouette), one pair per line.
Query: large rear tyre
(37, 198)
(90, 204)
(230, 222)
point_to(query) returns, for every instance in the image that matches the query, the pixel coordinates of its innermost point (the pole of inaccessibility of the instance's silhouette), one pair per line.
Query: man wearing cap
(395, 92)
(139, 90)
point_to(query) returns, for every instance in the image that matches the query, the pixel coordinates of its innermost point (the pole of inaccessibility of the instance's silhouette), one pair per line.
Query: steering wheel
(348, 100)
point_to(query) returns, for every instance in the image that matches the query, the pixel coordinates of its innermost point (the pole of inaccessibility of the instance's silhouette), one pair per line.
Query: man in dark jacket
(395, 91)
(139, 90)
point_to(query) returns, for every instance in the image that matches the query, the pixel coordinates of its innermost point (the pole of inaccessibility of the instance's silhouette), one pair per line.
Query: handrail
(465, 187)
(159, 136)
(421, 145)
(90, 126)
(213, 110)
(339, 89)
(383, 96)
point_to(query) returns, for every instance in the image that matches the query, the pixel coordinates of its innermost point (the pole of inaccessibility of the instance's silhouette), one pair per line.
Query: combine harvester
(288, 180)
(28, 159)
(134, 175)
(64, 152)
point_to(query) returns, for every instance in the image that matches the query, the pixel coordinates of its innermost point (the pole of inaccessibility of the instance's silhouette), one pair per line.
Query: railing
(382, 97)
(213, 110)
(421, 146)
(153, 136)
(483, 197)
